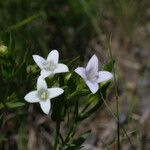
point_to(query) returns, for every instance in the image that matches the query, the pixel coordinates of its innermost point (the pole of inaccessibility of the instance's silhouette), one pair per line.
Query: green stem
(73, 126)
(117, 108)
(117, 99)
(116, 118)
(76, 109)
(57, 135)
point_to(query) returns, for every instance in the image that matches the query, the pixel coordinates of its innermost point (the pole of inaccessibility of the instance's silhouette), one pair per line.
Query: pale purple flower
(50, 66)
(92, 76)
(43, 95)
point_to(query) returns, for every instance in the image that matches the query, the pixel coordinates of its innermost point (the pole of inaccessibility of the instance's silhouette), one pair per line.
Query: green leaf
(109, 66)
(15, 104)
(78, 93)
(76, 144)
(82, 138)
(73, 61)
(12, 104)
(24, 22)
(98, 100)
(22, 139)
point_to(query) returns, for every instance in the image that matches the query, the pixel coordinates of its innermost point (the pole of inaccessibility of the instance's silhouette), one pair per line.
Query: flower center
(49, 65)
(43, 94)
(91, 76)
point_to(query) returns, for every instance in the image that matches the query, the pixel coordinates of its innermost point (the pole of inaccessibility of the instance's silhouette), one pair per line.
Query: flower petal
(39, 61)
(61, 68)
(45, 73)
(45, 106)
(53, 56)
(32, 97)
(92, 66)
(93, 86)
(104, 76)
(54, 92)
(81, 71)
(41, 83)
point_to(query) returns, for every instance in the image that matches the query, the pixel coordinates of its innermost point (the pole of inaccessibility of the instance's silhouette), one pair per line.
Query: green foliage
(109, 66)
(34, 27)
(95, 100)
(67, 106)
(22, 138)
(76, 144)
(58, 108)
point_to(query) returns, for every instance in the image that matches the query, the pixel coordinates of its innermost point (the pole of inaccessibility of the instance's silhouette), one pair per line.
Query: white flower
(43, 95)
(50, 66)
(92, 76)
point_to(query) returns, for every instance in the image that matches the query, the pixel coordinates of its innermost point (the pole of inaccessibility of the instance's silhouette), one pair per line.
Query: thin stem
(57, 135)
(117, 109)
(117, 98)
(85, 108)
(74, 123)
(116, 118)
(77, 110)
(118, 125)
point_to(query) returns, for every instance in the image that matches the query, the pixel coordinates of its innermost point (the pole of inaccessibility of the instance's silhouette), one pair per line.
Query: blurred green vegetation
(35, 27)
(69, 25)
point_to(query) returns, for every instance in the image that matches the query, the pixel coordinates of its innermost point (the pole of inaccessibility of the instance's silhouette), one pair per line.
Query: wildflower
(50, 66)
(92, 76)
(43, 95)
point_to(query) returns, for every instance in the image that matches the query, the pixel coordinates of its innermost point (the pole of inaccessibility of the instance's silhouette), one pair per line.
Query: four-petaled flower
(43, 95)
(50, 66)
(92, 76)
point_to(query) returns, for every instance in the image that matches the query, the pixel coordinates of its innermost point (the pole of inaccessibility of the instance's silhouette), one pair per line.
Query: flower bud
(3, 50)
(32, 69)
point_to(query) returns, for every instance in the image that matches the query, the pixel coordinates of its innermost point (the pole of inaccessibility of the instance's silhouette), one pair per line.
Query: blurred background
(77, 28)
